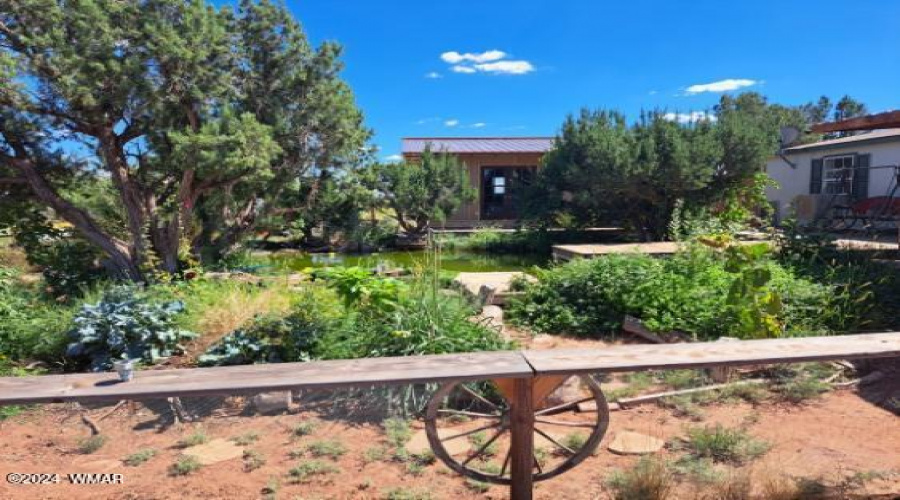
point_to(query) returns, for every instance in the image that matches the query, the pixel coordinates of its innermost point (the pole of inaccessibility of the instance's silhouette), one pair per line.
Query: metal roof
(479, 144)
(877, 135)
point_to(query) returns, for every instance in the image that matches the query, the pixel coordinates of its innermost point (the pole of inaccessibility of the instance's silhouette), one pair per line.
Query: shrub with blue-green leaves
(126, 324)
(688, 292)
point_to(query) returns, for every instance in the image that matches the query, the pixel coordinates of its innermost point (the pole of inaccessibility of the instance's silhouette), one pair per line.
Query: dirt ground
(839, 439)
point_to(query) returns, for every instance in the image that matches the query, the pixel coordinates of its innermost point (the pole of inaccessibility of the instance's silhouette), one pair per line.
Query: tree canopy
(604, 170)
(197, 118)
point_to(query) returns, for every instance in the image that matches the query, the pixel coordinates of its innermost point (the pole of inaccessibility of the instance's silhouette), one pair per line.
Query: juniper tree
(423, 191)
(196, 116)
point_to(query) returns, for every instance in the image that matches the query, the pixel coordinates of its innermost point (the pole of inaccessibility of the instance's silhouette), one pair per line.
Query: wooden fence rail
(525, 368)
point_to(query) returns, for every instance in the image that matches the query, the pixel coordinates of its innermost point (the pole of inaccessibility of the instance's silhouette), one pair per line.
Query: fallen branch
(634, 326)
(639, 400)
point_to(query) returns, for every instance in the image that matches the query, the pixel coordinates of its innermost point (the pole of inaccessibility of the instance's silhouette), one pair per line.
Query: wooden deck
(569, 252)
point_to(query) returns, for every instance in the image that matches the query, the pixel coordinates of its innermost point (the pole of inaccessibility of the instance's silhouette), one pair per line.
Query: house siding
(795, 182)
(469, 215)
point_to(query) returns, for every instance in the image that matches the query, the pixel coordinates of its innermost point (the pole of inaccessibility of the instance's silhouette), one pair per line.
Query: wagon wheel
(468, 428)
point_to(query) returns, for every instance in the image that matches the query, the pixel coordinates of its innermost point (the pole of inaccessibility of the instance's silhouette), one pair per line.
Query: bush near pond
(337, 319)
(688, 292)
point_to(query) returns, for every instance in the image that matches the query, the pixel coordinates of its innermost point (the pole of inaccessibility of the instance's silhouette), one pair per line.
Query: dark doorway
(500, 189)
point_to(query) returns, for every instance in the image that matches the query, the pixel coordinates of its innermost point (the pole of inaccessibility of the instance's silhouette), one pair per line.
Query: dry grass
(228, 306)
(650, 479)
(12, 256)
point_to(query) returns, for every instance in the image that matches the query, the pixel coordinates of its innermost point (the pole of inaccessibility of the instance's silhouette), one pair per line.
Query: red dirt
(829, 439)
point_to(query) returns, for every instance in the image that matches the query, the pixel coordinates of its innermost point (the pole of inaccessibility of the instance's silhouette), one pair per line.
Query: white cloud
(694, 116)
(491, 61)
(433, 75)
(431, 119)
(726, 85)
(462, 69)
(393, 159)
(454, 57)
(653, 92)
(478, 125)
(452, 122)
(506, 67)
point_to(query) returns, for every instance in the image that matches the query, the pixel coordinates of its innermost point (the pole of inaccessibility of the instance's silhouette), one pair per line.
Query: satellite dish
(788, 135)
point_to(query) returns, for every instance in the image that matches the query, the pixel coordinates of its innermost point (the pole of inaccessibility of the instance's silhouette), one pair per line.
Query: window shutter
(860, 187)
(815, 177)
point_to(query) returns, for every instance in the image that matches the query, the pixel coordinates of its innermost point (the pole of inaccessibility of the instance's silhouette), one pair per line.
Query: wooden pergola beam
(890, 119)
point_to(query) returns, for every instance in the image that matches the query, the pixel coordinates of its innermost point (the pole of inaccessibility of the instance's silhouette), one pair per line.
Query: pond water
(452, 261)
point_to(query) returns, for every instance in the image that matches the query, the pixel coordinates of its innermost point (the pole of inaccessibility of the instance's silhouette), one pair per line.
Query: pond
(452, 261)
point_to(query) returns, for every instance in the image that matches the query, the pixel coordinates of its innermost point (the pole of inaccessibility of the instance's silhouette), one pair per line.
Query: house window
(837, 174)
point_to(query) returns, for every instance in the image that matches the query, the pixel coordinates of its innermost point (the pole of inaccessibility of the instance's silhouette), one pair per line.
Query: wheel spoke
(506, 462)
(563, 406)
(468, 413)
(469, 433)
(487, 443)
(555, 442)
(480, 397)
(586, 425)
(537, 463)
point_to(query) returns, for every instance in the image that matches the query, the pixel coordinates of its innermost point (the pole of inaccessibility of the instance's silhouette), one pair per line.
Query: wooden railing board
(149, 384)
(705, 354)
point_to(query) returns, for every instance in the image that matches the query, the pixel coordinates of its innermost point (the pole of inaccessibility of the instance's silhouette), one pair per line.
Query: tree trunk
(122, 260)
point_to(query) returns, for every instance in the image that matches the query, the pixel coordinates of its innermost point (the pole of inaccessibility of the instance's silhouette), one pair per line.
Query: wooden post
(522, 439)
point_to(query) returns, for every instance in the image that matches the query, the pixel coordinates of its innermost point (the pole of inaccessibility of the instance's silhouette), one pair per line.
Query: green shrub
(185, 465)
(650, 479)
(801, 389)
(397, 431)
(688, 292)
(125, 324)
(91, 444)
(195, 438)
(31, 326)
(139, 457)
(307, 470)
(331, 448)
(722, 444)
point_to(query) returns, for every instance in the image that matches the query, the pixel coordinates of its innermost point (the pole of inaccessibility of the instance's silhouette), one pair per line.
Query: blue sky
(508, 68)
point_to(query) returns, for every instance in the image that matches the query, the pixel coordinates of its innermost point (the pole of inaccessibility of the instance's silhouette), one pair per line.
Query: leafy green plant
(360, 287)
(757, 308)
(688, 292)
(139, 457)
(126, 325)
